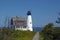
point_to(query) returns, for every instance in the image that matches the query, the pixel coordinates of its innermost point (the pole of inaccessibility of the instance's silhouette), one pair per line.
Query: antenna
(8, 22)
(5, 22)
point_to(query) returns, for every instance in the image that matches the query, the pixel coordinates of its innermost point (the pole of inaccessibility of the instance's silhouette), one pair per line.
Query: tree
(48, 31)
(58, 20)
(48, 26)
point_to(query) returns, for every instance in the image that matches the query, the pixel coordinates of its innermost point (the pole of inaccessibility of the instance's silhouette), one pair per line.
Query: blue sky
(43, 11)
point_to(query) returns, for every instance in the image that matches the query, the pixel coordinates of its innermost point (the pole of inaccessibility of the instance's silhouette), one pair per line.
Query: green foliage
(50, 33)
(49, 25)
(7, 34)
(46, 33)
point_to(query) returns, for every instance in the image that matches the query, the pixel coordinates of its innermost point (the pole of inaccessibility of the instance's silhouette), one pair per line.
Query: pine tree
(58, 20)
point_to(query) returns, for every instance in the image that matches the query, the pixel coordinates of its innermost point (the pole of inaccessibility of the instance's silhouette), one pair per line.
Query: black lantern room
(28, 13)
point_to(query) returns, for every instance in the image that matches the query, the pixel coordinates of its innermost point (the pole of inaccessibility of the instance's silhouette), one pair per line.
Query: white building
(20, 23)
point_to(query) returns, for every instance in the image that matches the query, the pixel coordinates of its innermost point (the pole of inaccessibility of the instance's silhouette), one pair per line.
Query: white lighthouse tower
(29, 21)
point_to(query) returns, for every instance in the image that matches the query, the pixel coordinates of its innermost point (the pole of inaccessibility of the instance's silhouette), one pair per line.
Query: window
(24, 26)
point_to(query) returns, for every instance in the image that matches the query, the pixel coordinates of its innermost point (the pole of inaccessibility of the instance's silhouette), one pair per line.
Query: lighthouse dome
(28, 13)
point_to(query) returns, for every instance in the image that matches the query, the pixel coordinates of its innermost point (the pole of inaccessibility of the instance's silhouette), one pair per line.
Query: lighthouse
(29, 21)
